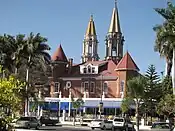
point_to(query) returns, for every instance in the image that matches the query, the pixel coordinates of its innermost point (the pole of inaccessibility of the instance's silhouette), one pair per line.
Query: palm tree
(36, 55)
(163, 46)
(169, 15)
(6, 51)
(136, 87)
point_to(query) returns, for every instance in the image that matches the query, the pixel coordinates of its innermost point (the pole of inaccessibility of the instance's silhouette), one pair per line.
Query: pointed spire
(115, 22)
(59, 55)
(91, 27)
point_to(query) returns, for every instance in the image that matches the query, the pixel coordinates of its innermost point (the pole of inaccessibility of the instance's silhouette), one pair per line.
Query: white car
(95, 124)
(121, 123)
(27, 122)
(106, 124)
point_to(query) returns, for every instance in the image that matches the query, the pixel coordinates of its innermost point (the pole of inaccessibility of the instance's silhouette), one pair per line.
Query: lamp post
(101, 101)
(102, 92)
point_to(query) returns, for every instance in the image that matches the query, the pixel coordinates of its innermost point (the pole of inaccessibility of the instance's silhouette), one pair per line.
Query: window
(86, 86)
(82, 89)
(57, 86)
(92, 87)
(93, 70)
(122, 86)
(90, 48)
(105, 87)
(89, 69)
(84, 70)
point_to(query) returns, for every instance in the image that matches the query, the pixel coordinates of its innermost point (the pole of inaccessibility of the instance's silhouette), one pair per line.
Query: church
(94, 80)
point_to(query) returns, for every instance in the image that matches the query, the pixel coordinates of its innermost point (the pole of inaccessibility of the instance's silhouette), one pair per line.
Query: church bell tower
(114, 39)
(90, 43)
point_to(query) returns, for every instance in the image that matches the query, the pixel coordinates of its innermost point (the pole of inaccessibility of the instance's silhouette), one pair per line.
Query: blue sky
(65, 22)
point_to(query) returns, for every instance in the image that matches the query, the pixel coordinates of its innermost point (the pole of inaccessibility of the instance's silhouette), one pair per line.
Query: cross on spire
(115, 3)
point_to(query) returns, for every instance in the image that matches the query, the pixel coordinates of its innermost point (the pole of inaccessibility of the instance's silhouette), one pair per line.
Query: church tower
(90, 43)
(114, 39)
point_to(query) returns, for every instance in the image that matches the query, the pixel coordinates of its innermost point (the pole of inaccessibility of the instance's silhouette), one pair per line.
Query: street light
(102, 90)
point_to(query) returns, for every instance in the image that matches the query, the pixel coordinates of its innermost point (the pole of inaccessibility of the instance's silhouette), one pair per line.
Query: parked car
(120, 123)
(27, 122)
(95, 124)
(49, 120)
(160, 126)
(106, 124)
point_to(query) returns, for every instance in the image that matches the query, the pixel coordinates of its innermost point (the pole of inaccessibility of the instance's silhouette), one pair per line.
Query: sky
(65, 22)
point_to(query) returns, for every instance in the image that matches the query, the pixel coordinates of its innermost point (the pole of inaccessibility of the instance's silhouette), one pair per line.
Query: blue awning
(64, 105)
(106, 104)
(51, 106)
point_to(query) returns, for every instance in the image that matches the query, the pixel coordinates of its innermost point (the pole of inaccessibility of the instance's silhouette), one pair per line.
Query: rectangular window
(86, 86)
(57, 86)
(122, 86)
(92, 87)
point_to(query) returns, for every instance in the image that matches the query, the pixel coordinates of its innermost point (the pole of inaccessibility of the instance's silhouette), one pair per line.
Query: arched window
(92, 87)
(89, 69)
(86, 86)
(84, 70)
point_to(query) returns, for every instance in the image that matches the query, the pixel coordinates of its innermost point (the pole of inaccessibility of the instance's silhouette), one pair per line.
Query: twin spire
(115, 22)
(91, 27)
(114, 25)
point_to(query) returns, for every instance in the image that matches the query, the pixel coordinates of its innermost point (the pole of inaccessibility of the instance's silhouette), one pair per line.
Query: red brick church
(93, 79)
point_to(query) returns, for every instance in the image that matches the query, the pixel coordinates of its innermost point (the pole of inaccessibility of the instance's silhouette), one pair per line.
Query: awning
(64, 105)
(106, 104)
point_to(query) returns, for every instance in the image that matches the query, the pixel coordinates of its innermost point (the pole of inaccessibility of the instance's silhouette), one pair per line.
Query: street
(66, 128)
(59, 128)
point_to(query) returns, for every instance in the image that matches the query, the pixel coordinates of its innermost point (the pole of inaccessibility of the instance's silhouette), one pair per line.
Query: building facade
(93, 80)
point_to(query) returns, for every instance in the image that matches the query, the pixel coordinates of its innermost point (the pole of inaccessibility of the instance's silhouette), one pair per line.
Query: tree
(20, 53)
(167, 107)
(126, 105)
(10, 90)
(163, 46)
(169, 35)
(166, 86)
(152, 90)
(135, 92)
(76, 104)
(34, 51)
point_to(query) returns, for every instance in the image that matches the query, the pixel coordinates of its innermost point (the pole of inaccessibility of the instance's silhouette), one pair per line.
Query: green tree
(163, 46)
(166, 86)
(167, 107)
(76, 104)
(10, 90)
(136, 87)
(169, 35)
(152, 90)
(36, 56)
(126, 105)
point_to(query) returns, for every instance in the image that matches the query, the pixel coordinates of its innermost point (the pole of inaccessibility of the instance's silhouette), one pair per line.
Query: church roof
(91, 27)
(127, 63)
(59, 55)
